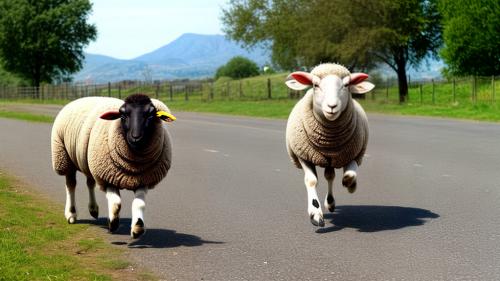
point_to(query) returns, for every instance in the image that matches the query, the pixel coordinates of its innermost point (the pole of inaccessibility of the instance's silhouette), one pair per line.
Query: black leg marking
(94, 214)
(329, 199)
(138, 229)
(315, 203)
(139, 223)
(114, 224)
(72, 209)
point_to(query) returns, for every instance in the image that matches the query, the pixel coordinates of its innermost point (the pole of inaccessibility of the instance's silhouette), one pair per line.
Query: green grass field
(37, 243)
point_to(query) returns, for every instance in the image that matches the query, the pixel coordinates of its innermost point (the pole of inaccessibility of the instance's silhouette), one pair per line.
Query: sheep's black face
(137, 121)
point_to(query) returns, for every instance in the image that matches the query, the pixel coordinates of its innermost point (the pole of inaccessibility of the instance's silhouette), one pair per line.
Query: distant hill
(189, 56)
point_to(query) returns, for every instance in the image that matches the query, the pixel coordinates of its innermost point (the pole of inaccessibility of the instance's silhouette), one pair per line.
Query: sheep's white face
(331, 97)
(331, 93)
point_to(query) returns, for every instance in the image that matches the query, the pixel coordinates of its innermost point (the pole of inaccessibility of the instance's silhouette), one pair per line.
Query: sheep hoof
(94, 211)
(317, 220)
(349, 181)
(138, 229)
(72, 219)
(113, 224)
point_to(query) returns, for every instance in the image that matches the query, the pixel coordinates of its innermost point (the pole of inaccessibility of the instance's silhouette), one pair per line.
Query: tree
(237, 68)
(43, 40)
(357, 33)
(471, 36)
(9, 79)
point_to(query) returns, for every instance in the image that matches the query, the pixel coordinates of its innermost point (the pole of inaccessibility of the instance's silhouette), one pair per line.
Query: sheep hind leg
(70, 209)
(329, 200)
(313, 206)
(114, 207)
(93, 207)
(138, 205)
(349, 180)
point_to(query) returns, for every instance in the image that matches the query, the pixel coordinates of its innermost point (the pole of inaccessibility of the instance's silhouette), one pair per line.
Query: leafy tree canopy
(357, 33)
(471, 36)
(43, 40)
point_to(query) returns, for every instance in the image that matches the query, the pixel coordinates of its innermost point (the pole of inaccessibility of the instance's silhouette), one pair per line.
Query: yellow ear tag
(165, 116)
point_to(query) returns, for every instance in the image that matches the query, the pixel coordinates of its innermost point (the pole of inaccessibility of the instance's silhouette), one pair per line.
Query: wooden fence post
(454, 91)
(211, 90)
(109, 89)
(186, 92)
(421, 94)
(433, 92)
(493, 88)
(473, 89)
(120, 91)
(241, 89)
(269, 88)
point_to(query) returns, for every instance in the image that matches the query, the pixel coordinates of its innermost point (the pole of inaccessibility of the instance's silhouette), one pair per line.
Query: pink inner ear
(357, 78)
(110, 115)
(302, 78)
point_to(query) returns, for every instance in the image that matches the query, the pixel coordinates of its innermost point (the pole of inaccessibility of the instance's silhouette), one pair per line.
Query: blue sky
(130, 28)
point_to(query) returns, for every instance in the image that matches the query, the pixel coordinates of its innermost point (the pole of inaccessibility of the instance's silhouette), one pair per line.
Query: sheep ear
(356, 84)
(110, 115)
(361, 88)
(300, 80)
(165, 116)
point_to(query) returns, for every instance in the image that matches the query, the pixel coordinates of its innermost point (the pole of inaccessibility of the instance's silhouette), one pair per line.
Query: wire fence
(455, 91)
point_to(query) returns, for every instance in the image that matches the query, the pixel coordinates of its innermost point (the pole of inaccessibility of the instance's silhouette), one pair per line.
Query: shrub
(237, 68)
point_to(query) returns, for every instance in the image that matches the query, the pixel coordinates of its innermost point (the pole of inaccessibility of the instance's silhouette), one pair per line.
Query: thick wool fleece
(326, 143)
(96, 147)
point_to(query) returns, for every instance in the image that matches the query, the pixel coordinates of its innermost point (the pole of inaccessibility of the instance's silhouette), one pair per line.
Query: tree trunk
(402, 82)
(36, 84)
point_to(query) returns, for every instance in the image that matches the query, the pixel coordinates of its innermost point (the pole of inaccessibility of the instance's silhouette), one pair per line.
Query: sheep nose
(135, 138)
(332, 105)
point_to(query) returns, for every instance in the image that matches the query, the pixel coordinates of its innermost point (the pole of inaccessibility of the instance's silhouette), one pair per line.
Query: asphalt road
(234, 208)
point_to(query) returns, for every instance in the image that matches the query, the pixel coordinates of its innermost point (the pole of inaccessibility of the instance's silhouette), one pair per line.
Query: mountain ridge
(188, 56)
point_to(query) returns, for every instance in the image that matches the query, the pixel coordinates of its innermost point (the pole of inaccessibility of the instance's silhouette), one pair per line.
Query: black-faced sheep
(132, 153)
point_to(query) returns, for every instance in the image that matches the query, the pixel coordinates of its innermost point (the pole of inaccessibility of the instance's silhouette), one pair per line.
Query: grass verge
(37, 244)
(265, 108)
(479, 112)
(26, 116)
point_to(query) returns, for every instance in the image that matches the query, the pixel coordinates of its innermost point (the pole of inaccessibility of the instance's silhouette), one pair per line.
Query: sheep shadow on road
(368, 218)
(153, 238)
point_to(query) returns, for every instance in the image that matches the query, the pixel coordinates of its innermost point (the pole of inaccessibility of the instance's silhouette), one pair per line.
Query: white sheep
(327, 128)
(133, 154)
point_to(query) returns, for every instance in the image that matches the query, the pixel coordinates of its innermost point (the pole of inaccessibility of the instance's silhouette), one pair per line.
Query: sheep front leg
(313, 206)
(70, 209)
(138, 206)
(93, 207)
(114, 206)
(329, 200)
(350, 176)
